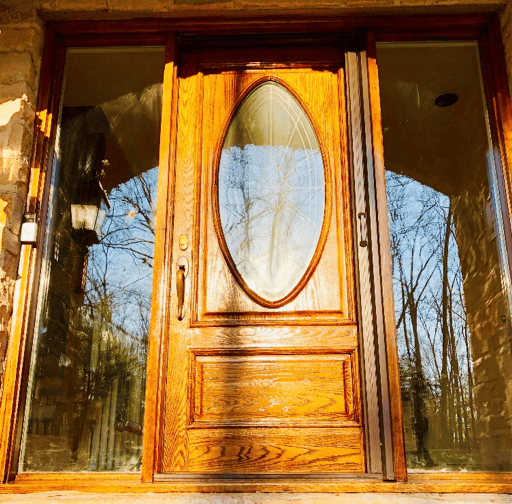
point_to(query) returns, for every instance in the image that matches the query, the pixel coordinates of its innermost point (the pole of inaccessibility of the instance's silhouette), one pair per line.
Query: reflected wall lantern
(86, 221)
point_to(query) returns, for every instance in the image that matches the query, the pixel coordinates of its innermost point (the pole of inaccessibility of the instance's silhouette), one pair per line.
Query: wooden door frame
(59, 35)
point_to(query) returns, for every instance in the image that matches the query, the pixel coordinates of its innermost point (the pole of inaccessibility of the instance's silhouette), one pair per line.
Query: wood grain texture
(276, 389)
(326, 298)
(271, 451)
(263, 389)
(499, 110)
(300, 282)
(124, 483)
(154, 403)
(175, 453)
(386, 279)
(14, 360)
(15, 378)
(271, 338)
(433, 27)
(307, 20)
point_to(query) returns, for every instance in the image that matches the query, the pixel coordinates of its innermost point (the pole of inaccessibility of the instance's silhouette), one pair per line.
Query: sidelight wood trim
(155, 382)
(499, 112)
(17, 358)
(115, 39)
(386, 281)
(125, 483)
(288, 21)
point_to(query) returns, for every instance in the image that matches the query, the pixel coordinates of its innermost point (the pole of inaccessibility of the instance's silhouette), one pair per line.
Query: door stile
(174, 457)
(158, 339)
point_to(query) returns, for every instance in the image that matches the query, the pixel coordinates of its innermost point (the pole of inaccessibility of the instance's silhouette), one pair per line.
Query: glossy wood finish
(270, 391)
(324, 299)
(385, 283)
(250, 389)
(154, 406)
(29, 268)
(499, 109)
(460, 25)
(215, 192)
(125, 483)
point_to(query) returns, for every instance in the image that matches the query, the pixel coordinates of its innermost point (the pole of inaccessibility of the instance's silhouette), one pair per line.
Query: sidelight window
(87, 380)
(450, 272)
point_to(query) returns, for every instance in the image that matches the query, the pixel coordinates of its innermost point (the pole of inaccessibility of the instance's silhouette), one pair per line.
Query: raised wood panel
(262, 450)
(263, 389)
(328, 295)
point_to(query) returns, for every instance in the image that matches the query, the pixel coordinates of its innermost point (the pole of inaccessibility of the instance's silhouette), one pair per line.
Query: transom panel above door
(263, 358)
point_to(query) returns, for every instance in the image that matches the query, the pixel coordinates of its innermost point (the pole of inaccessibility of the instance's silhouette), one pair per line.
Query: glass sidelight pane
(450, 272)
(85, 404)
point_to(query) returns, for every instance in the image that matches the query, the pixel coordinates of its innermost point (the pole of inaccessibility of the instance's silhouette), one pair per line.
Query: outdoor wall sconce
(86, 221)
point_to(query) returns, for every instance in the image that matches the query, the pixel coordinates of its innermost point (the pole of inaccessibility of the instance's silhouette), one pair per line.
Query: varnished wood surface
(175, 436)
(262, 389)
(275, 450)
(215, 214)
(277, 390)
(308, 20)
(499, 108)
(261, 337)
(16, 370)
(14, 361)
(386, 282)
(130, 483)
(322, 297)
(154, 404)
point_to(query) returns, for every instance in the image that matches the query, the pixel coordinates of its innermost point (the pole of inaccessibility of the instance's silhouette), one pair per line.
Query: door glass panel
(85, 405)
(271, 191)
(450, 271)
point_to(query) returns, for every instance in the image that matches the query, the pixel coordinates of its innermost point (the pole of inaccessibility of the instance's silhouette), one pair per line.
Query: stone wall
(21, 42)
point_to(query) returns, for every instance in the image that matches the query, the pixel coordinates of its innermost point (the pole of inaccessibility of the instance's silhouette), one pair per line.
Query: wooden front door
(263, 367)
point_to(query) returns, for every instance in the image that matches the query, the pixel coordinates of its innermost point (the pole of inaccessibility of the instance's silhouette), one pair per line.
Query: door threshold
(247, 477)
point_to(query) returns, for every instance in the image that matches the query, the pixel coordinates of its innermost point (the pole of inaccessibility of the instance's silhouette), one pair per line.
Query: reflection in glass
(271, 191)
(85, 403)
(452, 313)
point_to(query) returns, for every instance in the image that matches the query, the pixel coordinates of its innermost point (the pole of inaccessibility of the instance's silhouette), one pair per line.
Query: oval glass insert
(271, 191)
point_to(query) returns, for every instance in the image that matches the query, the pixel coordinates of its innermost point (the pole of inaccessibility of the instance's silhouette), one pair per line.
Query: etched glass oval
(271, 191)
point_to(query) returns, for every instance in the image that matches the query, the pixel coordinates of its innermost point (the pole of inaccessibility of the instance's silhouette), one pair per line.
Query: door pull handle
(181, 274)
(363, 242)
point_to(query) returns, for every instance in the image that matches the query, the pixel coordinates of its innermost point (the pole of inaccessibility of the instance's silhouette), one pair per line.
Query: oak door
(262, 370)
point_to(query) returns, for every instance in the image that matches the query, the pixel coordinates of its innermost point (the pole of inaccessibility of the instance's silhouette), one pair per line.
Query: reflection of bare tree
(116, 313)
(271, 203)
(432, 326)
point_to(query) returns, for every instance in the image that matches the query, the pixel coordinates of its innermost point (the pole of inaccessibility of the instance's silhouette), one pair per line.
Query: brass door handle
(181, 274)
